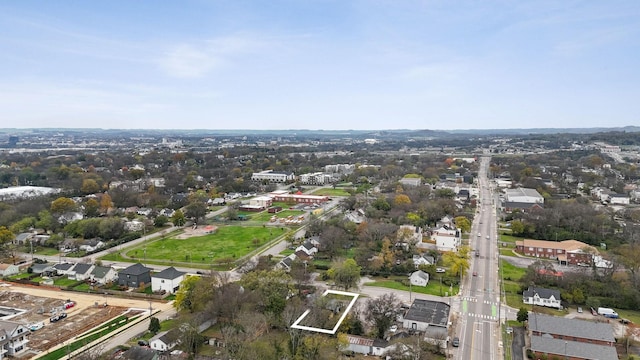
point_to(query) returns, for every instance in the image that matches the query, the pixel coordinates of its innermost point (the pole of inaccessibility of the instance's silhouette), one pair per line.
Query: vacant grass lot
(226, 242)
(265, 216)
(432, 288)
(331, 192)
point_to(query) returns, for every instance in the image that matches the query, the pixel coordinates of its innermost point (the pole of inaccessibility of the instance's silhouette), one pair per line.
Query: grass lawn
(634, 316)
(507, 252)
(512, 272)
(265, 216)
(64, 282)
(19, 276)
(286, 252)
(509, 238)
(47, 251)
(331, 192)
(82, 287)
(433, 288)
(227, 242)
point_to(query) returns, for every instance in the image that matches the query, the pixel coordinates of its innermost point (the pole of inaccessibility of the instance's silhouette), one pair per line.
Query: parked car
(580, 309)
(36, 326)
(440, 270)
(393, 328)
(455, 342)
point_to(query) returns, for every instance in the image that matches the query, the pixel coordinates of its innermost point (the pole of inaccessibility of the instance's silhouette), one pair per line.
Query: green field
(432, 288)
(509, 239)
(512, 272)
(265, 216)
(227, 242)
(332, 192)
(45, 251)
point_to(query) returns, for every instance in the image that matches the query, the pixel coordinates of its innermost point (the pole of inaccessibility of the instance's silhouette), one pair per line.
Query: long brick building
(567, 252)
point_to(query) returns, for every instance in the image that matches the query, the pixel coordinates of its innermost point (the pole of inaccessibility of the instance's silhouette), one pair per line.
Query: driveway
(517, 352)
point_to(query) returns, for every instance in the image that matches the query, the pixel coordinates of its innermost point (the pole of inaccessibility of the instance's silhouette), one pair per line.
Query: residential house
(134, 225)
(102, 275)
(409, 234)
(356, 216)
(419, 278)
(286, 263)
(80, 272)
(447, 221)
(91, 245)
(16, 338)
(4, 339)
(362, 345)
(8, 269)
(423, 259)
(411, 181)
(167, 280)
(542, 297)
(430, 317)
(63, 268)
(140, 353)
(571, 338)
(164, 341)
(134, 276)
(447, 238)
(24, 238)
(567, 252)
(45, 269)
(308, 248)
(619, 199)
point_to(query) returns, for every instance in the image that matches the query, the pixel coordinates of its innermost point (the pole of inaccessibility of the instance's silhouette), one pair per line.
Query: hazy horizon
(437, 65)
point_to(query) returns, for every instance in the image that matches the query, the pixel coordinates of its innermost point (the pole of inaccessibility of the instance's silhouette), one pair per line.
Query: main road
(480, 306)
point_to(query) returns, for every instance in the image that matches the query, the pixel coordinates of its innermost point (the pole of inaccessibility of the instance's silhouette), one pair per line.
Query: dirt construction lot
(40, 303)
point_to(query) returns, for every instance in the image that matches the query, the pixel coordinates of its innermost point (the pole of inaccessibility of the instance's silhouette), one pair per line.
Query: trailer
(607, 312)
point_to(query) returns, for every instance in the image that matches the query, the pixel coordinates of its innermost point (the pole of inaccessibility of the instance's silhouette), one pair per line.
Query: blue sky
(319, 64)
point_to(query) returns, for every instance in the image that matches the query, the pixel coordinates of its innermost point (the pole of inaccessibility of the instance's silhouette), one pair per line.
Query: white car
(393, 328)
(479, 235)
(440, 270)
(36, 326)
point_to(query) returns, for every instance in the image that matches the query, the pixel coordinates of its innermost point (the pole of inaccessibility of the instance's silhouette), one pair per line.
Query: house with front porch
(542, 297)
(16, 338)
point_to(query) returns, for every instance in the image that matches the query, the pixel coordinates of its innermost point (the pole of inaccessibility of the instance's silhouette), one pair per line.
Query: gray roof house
(430, 317)
(542, 297)
(167, 280)
(103, 275)
(562, 349)
(165, 340)
(419, 278)
(134, 276)
(16, 334)
(80, 271)
(63, 268)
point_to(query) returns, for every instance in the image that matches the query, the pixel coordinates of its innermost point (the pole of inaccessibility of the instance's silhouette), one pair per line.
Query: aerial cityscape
(293, 180)
(145, 244)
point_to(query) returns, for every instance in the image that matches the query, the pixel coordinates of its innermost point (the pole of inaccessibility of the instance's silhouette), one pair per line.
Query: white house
(103, 275)
(362, 345)
(447, 239)
(168, 280)
(308, 248)
(542, 297)
(619, 199)
(8, 269)
(423, 259)
(90, 245)
(261, 201)
(419, 278)
(410, 181)
(164, 341)
(80, 272)
(63, 268)
(16, 338)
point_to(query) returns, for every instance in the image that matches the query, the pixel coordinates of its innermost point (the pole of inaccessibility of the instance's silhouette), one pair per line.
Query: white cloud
(187, 61)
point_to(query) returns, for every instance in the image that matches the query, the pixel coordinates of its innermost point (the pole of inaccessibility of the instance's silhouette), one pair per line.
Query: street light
(565, 350)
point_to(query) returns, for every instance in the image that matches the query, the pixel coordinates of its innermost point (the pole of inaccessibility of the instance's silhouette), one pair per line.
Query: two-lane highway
(479, 306)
